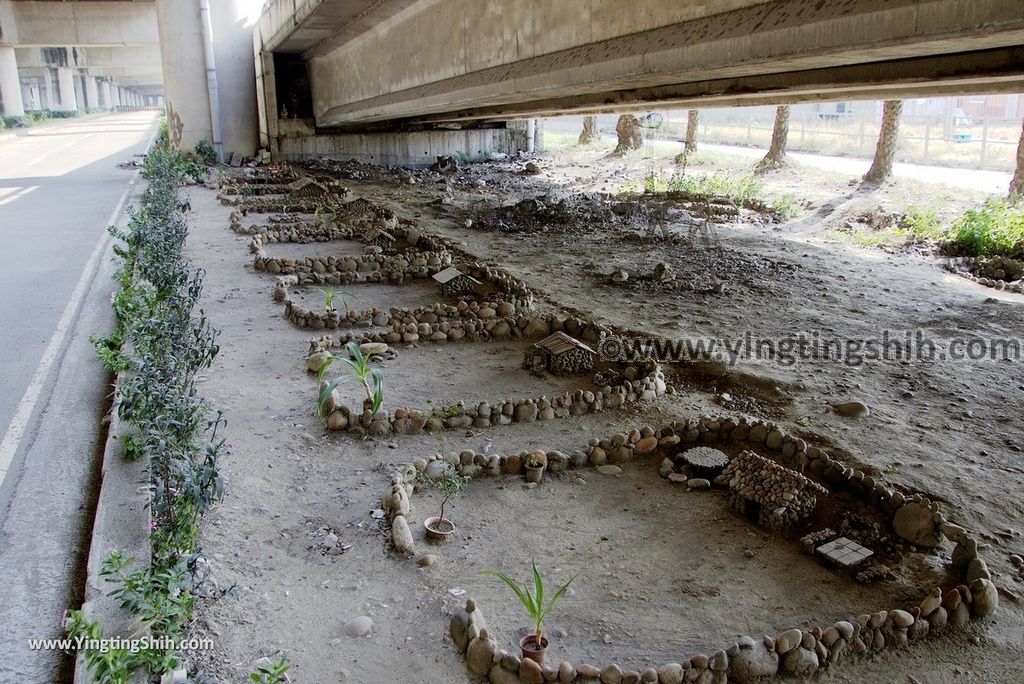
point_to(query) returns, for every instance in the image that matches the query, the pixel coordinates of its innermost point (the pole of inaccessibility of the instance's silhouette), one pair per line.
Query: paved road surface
(59, 189)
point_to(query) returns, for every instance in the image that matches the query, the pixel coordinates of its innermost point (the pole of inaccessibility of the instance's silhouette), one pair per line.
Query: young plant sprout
(329, 297)
(372, 379)
(535, 606)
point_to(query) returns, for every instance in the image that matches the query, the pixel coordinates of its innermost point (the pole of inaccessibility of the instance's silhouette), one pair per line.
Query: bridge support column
(79, 91)
(209, 77)
(105, 100)
(10, 85)
(92, 93)
(66, 86)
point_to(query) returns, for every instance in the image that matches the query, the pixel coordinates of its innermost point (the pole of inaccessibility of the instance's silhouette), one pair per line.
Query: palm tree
(776, 156)
(881, 167)
(690, 145)
(589, 133)
(630, 134)
(1017, 183)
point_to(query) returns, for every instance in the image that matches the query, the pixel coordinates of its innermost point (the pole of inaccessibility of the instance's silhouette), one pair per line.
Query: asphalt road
(60, 188)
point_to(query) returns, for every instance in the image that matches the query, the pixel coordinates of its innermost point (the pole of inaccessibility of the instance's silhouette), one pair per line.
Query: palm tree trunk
(589, 133)
(1017, 183)
(630, 135)
(690, 144)
(881, 167)
(780, 137)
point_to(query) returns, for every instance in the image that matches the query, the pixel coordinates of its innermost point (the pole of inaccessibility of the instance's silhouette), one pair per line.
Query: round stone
(358, 626)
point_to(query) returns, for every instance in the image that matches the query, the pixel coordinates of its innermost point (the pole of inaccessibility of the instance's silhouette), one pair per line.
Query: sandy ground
(671, 579)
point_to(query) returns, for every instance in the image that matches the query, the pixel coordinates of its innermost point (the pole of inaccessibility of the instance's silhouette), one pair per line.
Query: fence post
(984, 143)
(927, 137)
(803, 128)
(749, 124)
(860, 138)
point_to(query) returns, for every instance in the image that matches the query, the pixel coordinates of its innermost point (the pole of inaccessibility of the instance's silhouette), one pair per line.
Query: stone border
(648, 384)
(965, 267)
(794, 652)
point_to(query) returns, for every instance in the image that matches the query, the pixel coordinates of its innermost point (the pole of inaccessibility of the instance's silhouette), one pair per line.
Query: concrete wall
(297, 140)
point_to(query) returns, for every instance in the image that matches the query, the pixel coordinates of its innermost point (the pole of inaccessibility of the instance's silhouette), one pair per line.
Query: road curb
(122, 523)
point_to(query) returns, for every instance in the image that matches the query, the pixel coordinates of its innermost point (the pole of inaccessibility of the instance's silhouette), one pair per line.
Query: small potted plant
(438, 527)
(533, 645)
(535, 465)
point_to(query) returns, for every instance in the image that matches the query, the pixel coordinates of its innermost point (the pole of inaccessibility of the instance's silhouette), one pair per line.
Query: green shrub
(994, 228)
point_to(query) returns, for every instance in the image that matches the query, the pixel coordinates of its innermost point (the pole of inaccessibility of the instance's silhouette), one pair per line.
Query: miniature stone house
(306, 188)
(773, 495)
(559, 354)
(455, 283)
(379, 237)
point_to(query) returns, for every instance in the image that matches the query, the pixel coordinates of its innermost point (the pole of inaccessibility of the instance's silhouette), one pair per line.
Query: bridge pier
(209, 77)
(10, 85)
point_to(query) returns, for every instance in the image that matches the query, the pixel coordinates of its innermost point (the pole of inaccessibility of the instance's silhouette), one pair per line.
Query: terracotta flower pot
(438, 529)
(528, 645)
(534, 473)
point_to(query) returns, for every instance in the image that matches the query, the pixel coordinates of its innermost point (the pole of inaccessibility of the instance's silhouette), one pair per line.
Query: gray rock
(977, 569)
(609, 469)
(401, 536)
(788, 640)
(986, 598)
(915, 523)
(800, 662)
(670, 673)
(316, 360)
(437, 469)
(369, 348)
(852, 409)
(480, 653)
(358, 626)
(698, 483)
(752, 662)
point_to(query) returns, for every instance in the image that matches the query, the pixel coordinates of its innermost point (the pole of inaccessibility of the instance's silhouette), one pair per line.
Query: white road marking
(18, 195)
(36, 160)
(26, 407)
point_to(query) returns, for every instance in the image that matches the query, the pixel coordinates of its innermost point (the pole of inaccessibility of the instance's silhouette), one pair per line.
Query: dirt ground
(662, 573)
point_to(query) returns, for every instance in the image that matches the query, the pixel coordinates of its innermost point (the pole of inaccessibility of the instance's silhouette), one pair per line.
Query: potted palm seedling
(533, 645)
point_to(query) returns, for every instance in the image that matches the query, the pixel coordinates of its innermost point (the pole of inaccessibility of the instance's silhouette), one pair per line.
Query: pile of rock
(999, 272)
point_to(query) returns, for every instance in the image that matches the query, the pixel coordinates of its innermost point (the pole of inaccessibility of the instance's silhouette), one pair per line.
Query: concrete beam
(522, 57)
(36, 23)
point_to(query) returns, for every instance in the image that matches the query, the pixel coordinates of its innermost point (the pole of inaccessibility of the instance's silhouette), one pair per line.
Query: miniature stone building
(560, 354)
(455, 283)
(773, 495)
(306, 188)
(379, 237)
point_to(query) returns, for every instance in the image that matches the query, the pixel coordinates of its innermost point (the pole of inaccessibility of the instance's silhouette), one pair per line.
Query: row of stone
(406, 421)
(800, 653)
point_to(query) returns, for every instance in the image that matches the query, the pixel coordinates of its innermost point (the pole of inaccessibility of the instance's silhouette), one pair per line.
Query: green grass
(916, 224)
(718, 184)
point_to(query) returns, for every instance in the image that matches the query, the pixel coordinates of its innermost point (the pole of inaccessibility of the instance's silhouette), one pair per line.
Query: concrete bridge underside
(395, 64)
